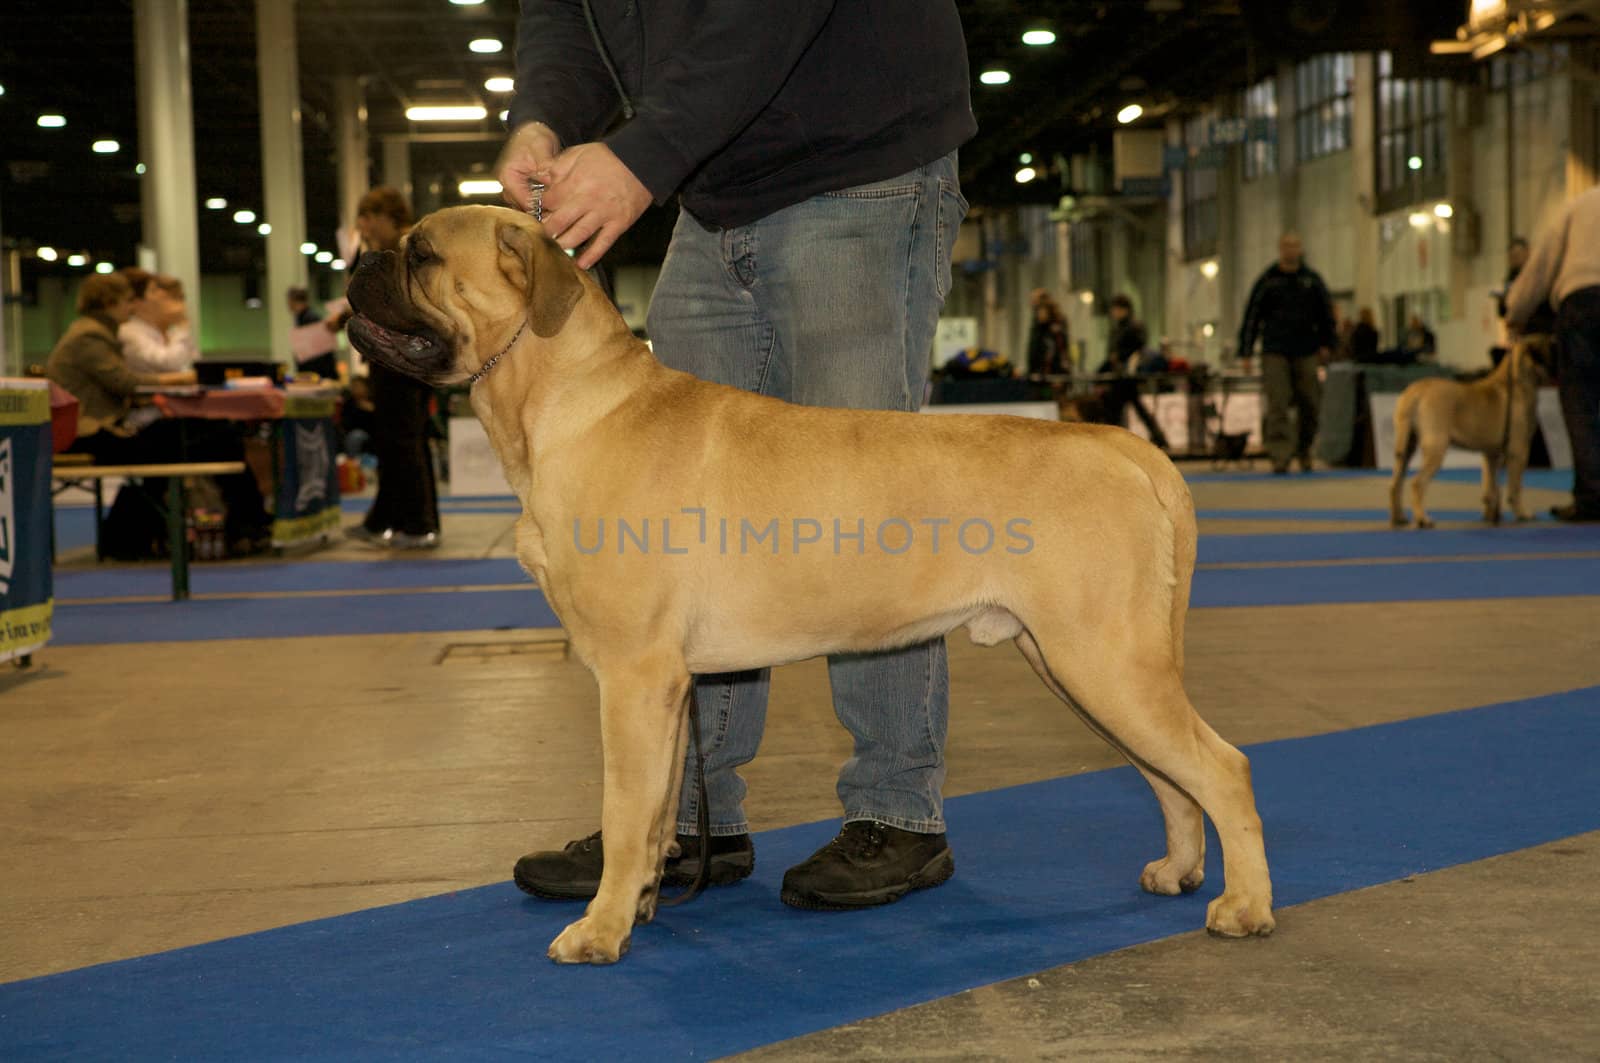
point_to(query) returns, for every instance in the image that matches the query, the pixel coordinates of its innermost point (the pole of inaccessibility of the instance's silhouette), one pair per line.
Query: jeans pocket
(952, 210)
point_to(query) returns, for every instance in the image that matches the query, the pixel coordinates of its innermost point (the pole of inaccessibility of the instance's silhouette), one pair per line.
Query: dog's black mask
(386, 327)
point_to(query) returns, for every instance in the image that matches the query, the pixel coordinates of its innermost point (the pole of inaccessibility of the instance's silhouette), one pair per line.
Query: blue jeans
(831, 302)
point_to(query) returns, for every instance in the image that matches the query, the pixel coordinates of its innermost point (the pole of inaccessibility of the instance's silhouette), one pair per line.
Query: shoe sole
(725, 871)
(935, 872)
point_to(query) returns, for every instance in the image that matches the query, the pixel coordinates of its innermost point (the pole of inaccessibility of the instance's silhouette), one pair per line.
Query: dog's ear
(536, 264)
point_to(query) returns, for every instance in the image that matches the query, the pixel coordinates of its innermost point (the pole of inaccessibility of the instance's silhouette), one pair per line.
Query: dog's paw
(1164, 878)
(1424, 523)
(588, 941)
(648, 899)
(1232, 916)
(1491, 516)
(1523, 515)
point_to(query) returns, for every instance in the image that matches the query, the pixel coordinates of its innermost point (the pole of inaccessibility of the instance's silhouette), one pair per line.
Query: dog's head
(462, 284)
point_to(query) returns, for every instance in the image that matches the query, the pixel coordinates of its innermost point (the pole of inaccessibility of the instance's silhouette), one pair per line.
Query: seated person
(1364, 338)
(1419, 345)
(156, 339)
(88, 362)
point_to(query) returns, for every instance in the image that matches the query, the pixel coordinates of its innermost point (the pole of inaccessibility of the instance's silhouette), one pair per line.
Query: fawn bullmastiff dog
(1494, 414)
(680, 527)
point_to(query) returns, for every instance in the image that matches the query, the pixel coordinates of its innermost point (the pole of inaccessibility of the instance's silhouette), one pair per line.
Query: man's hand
(592, 197)
(527, 156)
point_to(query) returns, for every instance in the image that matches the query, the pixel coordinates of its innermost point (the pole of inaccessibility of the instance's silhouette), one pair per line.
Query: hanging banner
(26, 591)
(308, 471)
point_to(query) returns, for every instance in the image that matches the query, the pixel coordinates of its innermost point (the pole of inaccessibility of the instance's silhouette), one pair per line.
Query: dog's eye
(418, 254)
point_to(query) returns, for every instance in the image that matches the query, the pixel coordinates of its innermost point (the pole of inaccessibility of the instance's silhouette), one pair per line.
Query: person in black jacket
(1290, 313)
(1123, 355)
(811, 146)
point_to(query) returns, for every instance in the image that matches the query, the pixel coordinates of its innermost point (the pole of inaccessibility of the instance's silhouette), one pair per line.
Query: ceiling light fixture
(77, 260)
(995, 77)
(105, 147)
(47, 253)
(244, 217)
(501, 84)
(103, 267)
(324, 257)
(472, 113)
(1086, 298)
(486, 46)
(308, 248)
(466, 3)
(216, 203)
(139, 169)
(337, 263)
(51, 121)
(1209, 269)
(1414, 163)
(1026, 174)
(1131, 113)
(1419, 220)
(479, 187)
(1039, 38)
(1443, 210)
(265, 228)
(1025, 158)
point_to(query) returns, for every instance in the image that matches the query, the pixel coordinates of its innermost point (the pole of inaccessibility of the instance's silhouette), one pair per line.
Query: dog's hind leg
(1132, 693)
(1516, 462)
(1432, 458)
(1405, 444)
(1183, 868)
(1491, 487)
(642, 705)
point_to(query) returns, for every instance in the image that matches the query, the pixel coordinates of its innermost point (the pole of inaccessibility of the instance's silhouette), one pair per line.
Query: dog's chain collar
(486, 366)
(536, 199)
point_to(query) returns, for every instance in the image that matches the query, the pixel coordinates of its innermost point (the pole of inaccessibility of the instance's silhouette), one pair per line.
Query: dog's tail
(1405, 440)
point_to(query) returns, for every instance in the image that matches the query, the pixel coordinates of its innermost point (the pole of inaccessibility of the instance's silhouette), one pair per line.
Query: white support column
(350, 140)
(397, 164)
(1364, 214)
(283, 177)
(170, 199)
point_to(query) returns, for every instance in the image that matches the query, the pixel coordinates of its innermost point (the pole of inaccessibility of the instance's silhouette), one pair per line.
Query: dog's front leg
(641, 718)
(1491, 487)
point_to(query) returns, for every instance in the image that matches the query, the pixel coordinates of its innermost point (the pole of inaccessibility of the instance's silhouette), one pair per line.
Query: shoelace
(861, 839)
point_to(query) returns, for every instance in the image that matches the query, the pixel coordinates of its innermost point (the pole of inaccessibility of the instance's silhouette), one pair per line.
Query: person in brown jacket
(115, 430)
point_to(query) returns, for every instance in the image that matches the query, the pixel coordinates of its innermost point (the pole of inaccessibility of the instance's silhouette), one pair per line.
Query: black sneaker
(573, 873)
(1573, 514)
(868, 863)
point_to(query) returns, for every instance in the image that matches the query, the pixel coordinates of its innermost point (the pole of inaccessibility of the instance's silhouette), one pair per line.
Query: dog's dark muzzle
(386, 329)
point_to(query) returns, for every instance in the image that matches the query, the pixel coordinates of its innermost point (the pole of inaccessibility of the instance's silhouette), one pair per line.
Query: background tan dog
(1494, 415)
(761, 533)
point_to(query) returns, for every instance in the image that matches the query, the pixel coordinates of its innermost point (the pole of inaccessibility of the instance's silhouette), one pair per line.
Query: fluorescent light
(1419, 220)
(51, 121)
(103, 267)
(1026, 174)
(1209, 269)
(500, 85)
(308, 248)
(1414, 163)
(464, 113)
(995, 77)
(466, 3)
(105, 147)
(324, 257)
(1131, 113)
(47, 253)
(244, 217)
(216, 203)
(77, 260)
(265, 228)
(1038, 38)
(486, 45)
(1443, 210)
(479, 187)
(337, 263)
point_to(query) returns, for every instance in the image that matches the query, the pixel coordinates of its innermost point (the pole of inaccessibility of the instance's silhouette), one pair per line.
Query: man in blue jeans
(811, 145)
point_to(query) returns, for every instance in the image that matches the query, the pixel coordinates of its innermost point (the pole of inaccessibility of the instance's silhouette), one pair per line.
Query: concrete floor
(162, 794)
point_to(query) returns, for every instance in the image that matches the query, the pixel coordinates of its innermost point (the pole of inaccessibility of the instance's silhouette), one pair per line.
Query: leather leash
(703, 817)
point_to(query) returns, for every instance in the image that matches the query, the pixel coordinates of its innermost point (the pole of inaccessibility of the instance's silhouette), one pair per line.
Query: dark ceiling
(77, 58)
